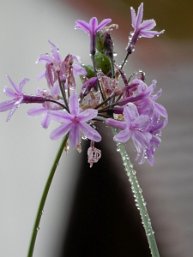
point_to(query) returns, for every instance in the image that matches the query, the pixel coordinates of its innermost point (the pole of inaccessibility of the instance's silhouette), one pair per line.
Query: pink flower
(75, 123)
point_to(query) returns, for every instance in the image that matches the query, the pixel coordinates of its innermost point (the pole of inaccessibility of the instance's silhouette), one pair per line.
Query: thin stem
(93, 62)
(112, 67)
(44, 197)
(58, 103)
(139, 200)
(124, 61)
(110, 107)
(63, 92)
(105, 101)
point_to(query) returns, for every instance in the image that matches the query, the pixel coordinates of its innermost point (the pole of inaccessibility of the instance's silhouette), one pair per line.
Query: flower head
(16, 95)
(75, 123)
(143, 28)
(92, 28)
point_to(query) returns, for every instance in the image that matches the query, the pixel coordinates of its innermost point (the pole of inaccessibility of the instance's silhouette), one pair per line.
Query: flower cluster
(107, 96)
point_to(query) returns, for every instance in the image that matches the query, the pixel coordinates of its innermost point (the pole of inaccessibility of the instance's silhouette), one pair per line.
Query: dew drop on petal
(84, 138)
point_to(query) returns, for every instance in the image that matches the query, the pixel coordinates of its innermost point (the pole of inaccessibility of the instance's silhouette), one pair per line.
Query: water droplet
(133, 172)
(144, 204)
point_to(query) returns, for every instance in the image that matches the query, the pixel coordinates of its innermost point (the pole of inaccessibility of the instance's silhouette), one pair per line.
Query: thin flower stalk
(44, 197)
(139, 199)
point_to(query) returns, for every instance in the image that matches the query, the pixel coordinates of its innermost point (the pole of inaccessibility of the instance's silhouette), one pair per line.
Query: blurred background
(91, 212)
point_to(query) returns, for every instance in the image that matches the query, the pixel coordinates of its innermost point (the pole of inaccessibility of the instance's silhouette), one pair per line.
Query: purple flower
(144, 97)
(133, 126)
(53, 65)
(148, 105)
(16, 95)
(46, 108)
(92, 28)
(75, 123)
(56, 67)
(143, 28)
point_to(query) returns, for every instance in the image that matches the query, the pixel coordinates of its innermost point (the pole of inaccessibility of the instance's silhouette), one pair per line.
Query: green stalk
(139, 200)
(44, 197)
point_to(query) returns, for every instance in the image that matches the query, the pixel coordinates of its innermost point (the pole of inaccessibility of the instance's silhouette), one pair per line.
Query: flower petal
(74, 136)
(161, 110)
(60, 131)
(139, 16)
(13, 85)
(123, 136)
(55, 52)
(148, 24)
(44, 58)
(142, 122)
(87, 115)
(9, 92)
(61, 116)
(93, 23)
(133, 17)
(80, 24)
(22, 84)
(7, 105)
(36, 111)
(74, 104)
(89, 132)
(46, 120)
(115, 123)
(130, 112)
(103, 23)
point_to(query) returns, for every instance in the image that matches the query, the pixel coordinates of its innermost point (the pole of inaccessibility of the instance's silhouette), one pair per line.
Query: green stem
(43, 198)
(139, 200)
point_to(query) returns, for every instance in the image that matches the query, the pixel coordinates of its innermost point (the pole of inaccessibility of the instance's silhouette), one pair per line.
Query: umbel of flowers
(107, 95)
